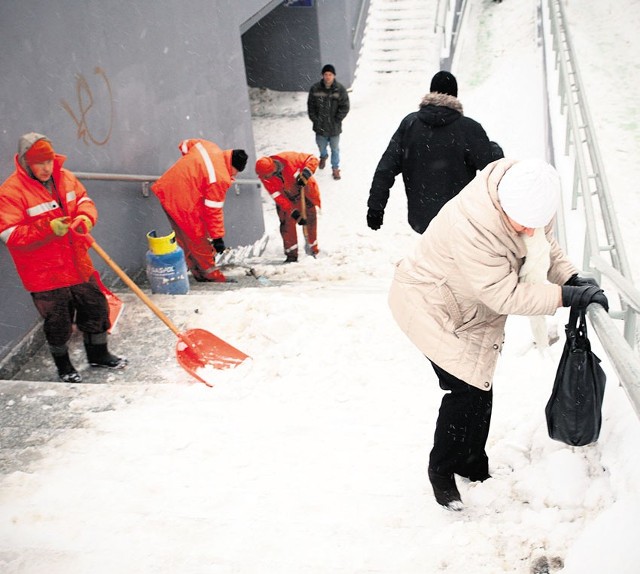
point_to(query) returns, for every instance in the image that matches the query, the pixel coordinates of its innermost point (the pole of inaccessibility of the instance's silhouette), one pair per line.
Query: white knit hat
(529, 192)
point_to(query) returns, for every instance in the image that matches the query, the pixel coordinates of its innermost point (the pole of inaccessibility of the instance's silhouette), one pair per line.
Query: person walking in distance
(288, 177)
(39, 203)
(437, 149)
(192, 193)
(327, 105)
(452, 295)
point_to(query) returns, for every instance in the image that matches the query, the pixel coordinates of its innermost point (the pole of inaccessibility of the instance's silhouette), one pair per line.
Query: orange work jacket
(192, 191)
(285, 189)
(43, 260)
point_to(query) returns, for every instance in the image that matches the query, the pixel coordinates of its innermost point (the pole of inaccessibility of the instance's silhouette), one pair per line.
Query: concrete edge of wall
(22, 352)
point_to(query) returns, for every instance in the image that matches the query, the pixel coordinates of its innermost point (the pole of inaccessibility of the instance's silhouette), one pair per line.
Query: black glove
(299, 220)
(577, 281)
(218, 244)
(580, 297)
(374, 218)
(496, 151)
(304, 176)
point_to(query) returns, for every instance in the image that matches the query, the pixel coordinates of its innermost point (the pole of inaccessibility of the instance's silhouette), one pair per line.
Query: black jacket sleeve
(312, 106)
(480, 151)
(343, 105)
(389, 166)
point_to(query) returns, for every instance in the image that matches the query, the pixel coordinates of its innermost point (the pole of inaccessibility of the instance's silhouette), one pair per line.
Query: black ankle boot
(66, 371)
(98, 354)
(445, 490)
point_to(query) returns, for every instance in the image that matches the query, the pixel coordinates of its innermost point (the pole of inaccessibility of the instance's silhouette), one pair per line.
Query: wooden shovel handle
(128, 281)
(303, 212)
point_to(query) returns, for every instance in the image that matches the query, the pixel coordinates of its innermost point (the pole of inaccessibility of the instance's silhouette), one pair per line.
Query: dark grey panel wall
(116, 85)
(287, 48)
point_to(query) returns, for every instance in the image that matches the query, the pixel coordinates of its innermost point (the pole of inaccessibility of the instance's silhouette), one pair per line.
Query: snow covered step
(398, 39)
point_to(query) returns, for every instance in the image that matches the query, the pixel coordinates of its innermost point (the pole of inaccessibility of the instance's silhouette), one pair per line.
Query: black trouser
(84, 303)
(462, 429)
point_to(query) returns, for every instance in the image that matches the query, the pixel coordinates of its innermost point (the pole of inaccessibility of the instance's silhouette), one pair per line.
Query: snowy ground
(311, 458)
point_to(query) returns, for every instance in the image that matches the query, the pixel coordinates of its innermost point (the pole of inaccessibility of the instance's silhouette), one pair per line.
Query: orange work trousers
(289, 232)
(199, 254)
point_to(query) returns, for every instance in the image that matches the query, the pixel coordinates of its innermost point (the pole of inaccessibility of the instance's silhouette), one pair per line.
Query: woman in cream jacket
(452, 296)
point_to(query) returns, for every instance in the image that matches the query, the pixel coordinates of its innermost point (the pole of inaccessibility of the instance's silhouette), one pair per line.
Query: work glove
(374, 218)
(218, 244)
(299, 219)
(580, 297)
(577, 281)
(60, 225)
(86, 225)
(304, 176)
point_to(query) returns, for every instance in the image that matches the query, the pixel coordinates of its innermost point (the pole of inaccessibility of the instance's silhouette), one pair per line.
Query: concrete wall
(116, 85)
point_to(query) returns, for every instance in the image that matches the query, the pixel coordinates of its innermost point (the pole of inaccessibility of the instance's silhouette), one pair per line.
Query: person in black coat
(327, 105)
(437, 149)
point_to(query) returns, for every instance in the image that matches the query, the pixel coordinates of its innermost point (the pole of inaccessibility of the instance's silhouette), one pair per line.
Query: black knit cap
(329, 68)
(239, 159)
(444, 83)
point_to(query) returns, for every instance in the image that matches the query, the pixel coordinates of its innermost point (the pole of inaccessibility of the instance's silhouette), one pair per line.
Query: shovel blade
(115, 303)
(199, 350)
(115, 309)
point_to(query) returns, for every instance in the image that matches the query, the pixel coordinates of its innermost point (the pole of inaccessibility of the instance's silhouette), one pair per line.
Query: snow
(311, 456)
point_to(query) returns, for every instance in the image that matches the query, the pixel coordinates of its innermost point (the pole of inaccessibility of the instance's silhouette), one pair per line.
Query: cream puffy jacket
(452, 296)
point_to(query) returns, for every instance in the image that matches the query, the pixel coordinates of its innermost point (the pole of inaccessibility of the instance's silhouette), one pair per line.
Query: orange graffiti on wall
(86, 105)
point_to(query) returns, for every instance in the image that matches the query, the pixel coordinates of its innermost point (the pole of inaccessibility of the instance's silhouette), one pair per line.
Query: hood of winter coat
(24, 144)
(439, 109)
(476, 206)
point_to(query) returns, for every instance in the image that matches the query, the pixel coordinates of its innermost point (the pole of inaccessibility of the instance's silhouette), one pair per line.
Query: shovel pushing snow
(196, 349)
(237, 255)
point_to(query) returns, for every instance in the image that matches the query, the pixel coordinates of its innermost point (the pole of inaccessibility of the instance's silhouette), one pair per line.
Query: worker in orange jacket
(39, 202)
(192, 193)
(287, 176)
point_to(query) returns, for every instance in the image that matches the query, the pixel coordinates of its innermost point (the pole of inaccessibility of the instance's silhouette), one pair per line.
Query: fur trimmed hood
(439, 109)
(437, 99)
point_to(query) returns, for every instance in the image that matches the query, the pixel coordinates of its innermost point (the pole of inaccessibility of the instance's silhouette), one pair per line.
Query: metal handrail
(588, 171)
(449, 20)
(147, 179)
(621, 355)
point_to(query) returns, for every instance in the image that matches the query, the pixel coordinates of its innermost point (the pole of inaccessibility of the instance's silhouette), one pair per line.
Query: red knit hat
(265, 166)
(39, 152)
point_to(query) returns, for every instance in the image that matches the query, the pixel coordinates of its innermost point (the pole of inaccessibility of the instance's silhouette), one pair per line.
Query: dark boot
(445, 490)
(98, 355)
(66, 371)
(323, 162)
(215, 276)
(292, 256)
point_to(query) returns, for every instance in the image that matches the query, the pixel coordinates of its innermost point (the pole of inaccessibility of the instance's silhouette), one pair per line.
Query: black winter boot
(445, 490)
(98, 355)
(66, 371)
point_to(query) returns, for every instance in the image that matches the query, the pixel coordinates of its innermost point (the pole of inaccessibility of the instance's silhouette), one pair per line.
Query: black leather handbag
(574, 410)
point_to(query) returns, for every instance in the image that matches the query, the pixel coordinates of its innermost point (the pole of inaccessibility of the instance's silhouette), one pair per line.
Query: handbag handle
(576, 328)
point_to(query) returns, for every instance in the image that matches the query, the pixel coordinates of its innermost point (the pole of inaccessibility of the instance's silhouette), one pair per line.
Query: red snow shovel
(196, 349)
(116, 305)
